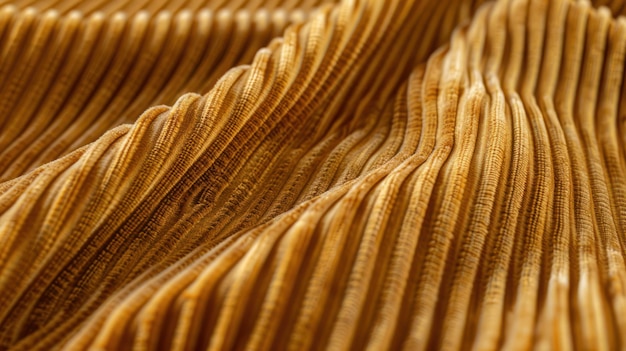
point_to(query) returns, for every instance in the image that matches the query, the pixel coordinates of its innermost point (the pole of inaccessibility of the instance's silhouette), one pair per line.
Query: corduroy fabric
(304, 175)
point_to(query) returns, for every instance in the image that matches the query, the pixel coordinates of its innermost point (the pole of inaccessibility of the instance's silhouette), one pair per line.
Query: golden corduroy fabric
(308, 174)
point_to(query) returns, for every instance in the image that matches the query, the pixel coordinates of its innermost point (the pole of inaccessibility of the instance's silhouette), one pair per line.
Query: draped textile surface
(307, 174)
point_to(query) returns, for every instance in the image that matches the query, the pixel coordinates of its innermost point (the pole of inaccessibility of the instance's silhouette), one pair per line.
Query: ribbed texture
(401, 175)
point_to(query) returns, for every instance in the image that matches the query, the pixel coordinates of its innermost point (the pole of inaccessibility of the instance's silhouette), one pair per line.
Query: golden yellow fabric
(307, 174)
